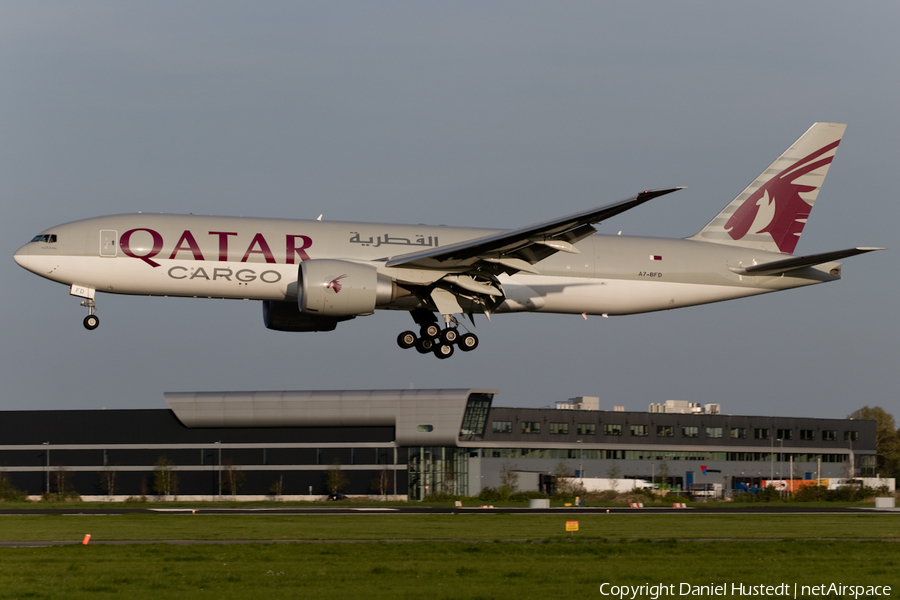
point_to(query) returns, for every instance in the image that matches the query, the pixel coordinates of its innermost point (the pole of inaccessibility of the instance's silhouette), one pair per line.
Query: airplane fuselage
(258, 259)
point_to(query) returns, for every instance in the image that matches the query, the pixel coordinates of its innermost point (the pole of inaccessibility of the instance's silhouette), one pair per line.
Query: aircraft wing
(799, 262)
(519, 249)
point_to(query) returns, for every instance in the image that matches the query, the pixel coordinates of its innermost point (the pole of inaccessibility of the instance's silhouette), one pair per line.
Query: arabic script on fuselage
(386, 239)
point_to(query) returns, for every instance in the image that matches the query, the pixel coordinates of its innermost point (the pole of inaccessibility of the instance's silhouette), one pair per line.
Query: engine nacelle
(339, 288)
(286, 316)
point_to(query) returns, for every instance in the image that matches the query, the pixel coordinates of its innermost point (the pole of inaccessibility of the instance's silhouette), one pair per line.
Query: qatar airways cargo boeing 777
(311, 275)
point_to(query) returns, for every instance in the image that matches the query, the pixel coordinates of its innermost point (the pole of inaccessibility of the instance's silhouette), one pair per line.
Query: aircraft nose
(21, 257)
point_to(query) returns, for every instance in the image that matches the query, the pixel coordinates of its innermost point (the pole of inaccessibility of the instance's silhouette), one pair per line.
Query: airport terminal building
(409, 443)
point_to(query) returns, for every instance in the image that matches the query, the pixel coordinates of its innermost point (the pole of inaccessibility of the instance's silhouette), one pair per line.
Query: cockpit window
(47, 238)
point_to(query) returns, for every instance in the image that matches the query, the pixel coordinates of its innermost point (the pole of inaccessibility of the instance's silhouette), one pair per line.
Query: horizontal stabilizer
(799, 262)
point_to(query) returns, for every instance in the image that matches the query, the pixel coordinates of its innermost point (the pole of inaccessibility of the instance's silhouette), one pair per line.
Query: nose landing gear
(92, 321)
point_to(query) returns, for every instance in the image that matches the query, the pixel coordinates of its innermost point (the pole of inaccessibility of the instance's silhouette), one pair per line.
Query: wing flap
(516, 249)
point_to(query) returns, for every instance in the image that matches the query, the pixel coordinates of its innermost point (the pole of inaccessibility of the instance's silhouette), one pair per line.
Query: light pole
(219, 446)
(780, 461)
(852, 470)
(772, 458)
(581, 464)
(780, 457)
(47, 469)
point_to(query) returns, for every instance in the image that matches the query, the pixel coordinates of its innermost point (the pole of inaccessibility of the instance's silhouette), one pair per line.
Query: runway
(419, 510)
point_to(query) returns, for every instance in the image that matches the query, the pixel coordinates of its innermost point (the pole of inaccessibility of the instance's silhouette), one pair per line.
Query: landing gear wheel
(425, 345)
(407, 339)
(91, 322)
(467, 342)
(430, 331)
(443, 350)
(449, 336)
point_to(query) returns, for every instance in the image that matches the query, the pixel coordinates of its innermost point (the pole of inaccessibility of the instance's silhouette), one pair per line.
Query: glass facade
(475, 417)
(435, 471)
(651, 454)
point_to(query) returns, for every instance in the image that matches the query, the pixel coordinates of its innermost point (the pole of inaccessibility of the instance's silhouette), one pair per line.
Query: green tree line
(887, 438)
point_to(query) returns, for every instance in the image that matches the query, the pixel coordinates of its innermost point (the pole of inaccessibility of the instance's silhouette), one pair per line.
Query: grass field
(550, 565)
(468, 526)
(431, 569)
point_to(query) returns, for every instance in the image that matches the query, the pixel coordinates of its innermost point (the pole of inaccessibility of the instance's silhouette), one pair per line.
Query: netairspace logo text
(783, 590)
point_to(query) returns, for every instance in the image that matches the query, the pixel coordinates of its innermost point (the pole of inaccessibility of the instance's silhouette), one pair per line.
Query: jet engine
(340, 288)
(286, 316)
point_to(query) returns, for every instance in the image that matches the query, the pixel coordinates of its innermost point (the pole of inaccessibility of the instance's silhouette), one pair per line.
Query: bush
(604, 496)
(490, 494)
(10, 493)
(769, 494)
(442, 497)
(64, 497)
(523, 496)
(847, 493)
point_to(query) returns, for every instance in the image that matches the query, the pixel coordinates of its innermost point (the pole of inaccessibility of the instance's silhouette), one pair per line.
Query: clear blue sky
(494, 114)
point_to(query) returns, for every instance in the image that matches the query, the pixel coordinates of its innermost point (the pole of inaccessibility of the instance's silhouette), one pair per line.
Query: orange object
(87, 539)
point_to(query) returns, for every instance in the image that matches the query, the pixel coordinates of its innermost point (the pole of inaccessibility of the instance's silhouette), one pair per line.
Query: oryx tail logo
(776, 207)
(335, 284)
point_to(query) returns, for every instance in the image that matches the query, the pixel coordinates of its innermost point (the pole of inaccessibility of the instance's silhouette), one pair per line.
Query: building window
(587, 429)
(531, 426)
(639, 430)
(713, 432)
(502, 426)
(612, 429)
(851, 436)
(829, 435)
(785, 434)
(761, 434)
(807, 435)
(665, 431)
(559, 428)
(475, 417)
(690, 432)
(739, 433)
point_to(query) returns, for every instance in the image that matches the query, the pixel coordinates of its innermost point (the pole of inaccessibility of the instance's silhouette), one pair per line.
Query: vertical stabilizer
(771, 212)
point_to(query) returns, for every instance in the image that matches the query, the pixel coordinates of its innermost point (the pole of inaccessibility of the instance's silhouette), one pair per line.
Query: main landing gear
(438, 341)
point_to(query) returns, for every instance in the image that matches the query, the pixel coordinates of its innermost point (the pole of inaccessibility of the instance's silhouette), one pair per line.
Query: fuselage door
(108, 239)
